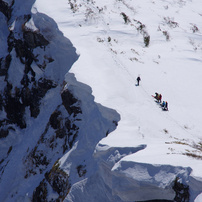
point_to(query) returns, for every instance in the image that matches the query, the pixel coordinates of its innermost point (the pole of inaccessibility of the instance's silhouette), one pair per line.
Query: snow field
(113, 54)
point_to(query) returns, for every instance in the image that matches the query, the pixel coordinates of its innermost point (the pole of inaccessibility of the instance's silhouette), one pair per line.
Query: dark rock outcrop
(6, 9)
(40, 193)
(14, 99)
(69, 101)
(64, 135)
(58, 180)
(181, 190)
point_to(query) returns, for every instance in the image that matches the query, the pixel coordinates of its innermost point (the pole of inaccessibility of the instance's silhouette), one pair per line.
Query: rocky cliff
(42, 111)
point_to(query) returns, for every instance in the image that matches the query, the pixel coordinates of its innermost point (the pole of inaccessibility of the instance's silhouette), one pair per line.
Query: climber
(163, 104)
(166, 106)
(138, 80)
(159, 98)
(156, 95)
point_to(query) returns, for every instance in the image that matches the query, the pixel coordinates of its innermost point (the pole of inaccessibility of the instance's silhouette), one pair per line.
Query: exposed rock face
(30, 88)
(181, 190)
(14, 99)
(58, 180)
(69, 101)
(6, 9)
(41, 116)
(66, 129)
(34, 39)
(59, 135)
(27, 78)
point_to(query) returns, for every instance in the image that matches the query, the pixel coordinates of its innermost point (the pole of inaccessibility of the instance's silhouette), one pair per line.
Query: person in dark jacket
(138, 80)
(165, 108)
(156, 95)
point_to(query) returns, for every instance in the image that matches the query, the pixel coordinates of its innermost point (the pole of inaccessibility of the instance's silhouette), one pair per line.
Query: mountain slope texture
(75, 126)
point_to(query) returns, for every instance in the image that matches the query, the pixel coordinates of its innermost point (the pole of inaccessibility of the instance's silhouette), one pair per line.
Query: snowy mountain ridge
(57, 143)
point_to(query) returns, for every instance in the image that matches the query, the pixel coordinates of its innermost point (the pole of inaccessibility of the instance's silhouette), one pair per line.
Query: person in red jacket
(159, 98)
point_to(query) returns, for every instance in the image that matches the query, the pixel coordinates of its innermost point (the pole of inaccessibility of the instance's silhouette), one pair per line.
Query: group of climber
(163, 104)
(157, 96)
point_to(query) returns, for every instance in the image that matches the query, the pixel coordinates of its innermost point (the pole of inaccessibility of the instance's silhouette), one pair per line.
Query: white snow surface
(112, 55)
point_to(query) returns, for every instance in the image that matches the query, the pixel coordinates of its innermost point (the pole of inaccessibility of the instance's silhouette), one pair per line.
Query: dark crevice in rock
(14, 100)
(3, 133)
(58, 180)
(70, 103)
(36, 94)
(4, 129)
(60, 131)
(40, 193)
(4, 65)
(13, 107)
(54, 121)
(181, 190)
(14, 104)
(81, 170)
(36, 162)
(1, 104)
(34, 39)
(6, 9)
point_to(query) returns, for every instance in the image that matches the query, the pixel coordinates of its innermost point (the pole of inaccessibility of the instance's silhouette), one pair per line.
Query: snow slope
(113, 53)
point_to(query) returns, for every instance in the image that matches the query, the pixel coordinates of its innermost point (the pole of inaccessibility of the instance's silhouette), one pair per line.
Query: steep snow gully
(74, 127)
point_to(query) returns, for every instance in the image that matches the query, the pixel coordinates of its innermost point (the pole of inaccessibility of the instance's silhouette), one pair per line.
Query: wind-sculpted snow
(112, 155)
(157, 180)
